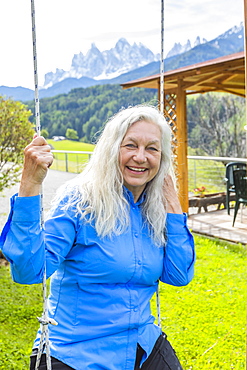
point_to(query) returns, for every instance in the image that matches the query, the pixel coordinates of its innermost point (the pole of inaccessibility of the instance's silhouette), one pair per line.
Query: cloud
(65, 28)
(126, 34)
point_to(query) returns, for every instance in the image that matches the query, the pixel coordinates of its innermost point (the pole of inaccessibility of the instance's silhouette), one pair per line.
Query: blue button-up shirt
(100, 287)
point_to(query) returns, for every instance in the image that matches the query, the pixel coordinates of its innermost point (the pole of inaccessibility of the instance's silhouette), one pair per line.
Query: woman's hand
(37, 159)
(172, 204)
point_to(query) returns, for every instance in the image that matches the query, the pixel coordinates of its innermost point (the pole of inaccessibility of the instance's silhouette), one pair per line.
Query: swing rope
(162, 110)
(44, 320)
(162, 87)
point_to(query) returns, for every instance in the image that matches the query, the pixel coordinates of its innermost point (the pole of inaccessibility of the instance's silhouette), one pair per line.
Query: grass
(207, 173)
(205, 321)
(70, 162)
(71, 145)
(20, 305)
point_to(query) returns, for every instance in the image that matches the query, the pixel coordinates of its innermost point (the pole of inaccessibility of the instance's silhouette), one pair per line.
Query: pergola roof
(225, 74)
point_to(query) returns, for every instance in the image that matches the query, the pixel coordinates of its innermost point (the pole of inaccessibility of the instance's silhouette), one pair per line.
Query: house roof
(225, 74)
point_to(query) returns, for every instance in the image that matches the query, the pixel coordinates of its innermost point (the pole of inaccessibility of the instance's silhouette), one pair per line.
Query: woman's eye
(153, 149)
(130, 146)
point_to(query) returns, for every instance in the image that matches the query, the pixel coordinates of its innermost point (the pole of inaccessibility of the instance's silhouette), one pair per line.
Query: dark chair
(230, 187)
(240, 182)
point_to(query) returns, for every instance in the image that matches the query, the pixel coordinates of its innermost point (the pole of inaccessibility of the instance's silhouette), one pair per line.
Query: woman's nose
(140, 155)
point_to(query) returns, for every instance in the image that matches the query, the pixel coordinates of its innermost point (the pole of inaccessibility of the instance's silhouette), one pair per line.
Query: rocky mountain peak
(178, 48)
(123, 57)
(233, 31)
(121, 45)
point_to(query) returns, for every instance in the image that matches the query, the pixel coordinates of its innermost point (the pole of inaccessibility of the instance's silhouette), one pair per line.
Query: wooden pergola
(225, 74)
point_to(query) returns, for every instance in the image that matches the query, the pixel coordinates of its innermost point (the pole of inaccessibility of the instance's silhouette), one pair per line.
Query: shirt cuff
(22, 209)
(26, 209)
(176, 222)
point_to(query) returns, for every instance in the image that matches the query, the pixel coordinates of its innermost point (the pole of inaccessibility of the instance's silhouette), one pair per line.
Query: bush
(15, 133)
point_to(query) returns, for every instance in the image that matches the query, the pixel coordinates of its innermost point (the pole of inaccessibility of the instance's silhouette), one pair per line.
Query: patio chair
(240, 182)
(230, 188)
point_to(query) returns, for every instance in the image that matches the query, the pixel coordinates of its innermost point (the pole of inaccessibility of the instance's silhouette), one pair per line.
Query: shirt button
(136, 235)
(135, 309)
(139, 262)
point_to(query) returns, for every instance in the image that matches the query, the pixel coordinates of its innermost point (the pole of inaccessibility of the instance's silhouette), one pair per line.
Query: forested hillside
(216, 125)
(86, 110)
(215, 121)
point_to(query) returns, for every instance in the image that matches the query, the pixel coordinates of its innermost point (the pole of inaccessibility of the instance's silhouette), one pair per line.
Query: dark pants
(162, 357)
(55, 364)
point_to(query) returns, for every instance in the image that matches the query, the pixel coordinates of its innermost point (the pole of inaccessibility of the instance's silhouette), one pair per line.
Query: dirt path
(52, 182)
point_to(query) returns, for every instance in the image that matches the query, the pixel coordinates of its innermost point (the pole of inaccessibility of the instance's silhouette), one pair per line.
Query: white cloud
(68, 27)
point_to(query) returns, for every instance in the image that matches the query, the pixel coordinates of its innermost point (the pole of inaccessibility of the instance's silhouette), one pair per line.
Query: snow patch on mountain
(178, 48)
(123, 57)
(107, 64)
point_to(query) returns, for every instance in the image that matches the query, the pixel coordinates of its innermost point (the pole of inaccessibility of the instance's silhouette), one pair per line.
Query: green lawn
(70, 162)
(71, 145)
(207, 173)
(205, 321)
(19, 307)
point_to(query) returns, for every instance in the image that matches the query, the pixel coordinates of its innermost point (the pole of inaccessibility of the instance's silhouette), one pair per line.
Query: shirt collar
(129, 196)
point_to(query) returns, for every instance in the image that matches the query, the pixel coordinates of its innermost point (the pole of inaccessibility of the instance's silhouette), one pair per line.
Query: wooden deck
(218, 224)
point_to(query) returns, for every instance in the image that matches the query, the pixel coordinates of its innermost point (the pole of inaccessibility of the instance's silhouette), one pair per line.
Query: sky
(65, 28)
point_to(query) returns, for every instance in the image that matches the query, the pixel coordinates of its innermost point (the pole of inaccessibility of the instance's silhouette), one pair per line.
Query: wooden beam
(218, 85)
(204, 91)
(222, 68)
(210, 77)
(200, 92)
(234, 92)
(182, 141)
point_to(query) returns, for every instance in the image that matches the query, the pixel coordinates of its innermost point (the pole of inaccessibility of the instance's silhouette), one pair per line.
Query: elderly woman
(112, 234)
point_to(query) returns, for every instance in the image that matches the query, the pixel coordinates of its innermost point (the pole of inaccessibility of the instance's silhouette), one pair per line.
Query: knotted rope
(44, 320)
(162, 110)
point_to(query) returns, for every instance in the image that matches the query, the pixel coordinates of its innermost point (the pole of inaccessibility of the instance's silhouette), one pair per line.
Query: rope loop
(47, 321)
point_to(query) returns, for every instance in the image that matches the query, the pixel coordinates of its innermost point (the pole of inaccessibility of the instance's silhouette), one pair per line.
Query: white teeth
(137, 169)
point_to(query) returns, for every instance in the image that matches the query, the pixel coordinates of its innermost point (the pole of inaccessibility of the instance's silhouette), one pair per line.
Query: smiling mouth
(137, 169)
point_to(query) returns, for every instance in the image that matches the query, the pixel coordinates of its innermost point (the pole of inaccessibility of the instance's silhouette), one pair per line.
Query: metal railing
(202, 171)
(70, 161)
(209, 172)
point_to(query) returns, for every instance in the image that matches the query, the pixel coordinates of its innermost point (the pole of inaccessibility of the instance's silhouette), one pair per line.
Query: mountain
(230, 42)
(109, 64)
(179, 49)
(104, 65)
(17, 93)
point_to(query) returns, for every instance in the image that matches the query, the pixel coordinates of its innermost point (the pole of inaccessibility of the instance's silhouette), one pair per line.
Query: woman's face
(140, 155)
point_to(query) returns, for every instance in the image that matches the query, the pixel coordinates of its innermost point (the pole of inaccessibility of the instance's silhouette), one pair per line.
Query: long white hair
(97, 193)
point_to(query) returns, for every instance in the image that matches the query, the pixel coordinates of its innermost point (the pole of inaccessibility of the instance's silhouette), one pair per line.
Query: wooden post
(245, 54)
(182, 142)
